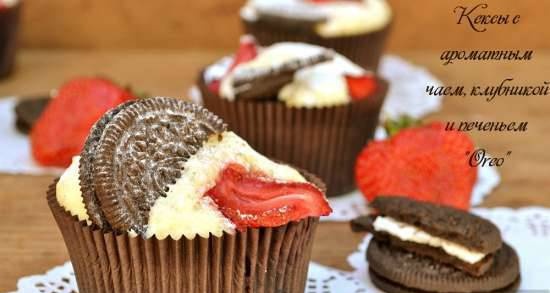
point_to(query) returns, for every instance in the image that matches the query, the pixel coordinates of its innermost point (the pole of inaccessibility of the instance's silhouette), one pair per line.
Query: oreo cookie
(457, 238)
(86, 167)
(395, 270)
(27, 112)
(134, 152)
(265, 83)
(424, 247)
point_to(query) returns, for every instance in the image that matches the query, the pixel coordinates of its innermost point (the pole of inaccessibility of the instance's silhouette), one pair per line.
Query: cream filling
(320, 85)
(343, 18)
(68, 191)
(407, 232)
(185, 211)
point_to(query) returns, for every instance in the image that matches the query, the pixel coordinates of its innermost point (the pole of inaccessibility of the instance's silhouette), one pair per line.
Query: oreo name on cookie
(134, 152)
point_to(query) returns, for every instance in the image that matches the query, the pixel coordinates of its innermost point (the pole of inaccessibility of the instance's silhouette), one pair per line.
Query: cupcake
(9, 24)
(298, 103)
(164, 198)
(357, 29)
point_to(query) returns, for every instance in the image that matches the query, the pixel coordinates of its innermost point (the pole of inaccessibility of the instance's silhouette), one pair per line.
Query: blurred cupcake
(356, 29)
(9, 24)
(297, 103)
(164, 198)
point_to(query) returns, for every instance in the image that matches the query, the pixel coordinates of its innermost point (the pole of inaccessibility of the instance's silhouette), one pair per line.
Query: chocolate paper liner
(268, 260)
(324, 141)
(364, 49)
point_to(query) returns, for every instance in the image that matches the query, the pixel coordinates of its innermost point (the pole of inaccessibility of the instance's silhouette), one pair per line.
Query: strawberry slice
(248, 50)
(361, 87)
(251, 200)
(60, 132)
(425, 163)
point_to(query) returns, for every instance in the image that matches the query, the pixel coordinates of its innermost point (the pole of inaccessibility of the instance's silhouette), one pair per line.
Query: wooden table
(30, 242)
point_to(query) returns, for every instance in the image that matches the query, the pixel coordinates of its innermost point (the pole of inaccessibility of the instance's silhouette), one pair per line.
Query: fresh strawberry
(425, 163)
(60, 132)
(251, 200)
(248, 50)
(361, 87)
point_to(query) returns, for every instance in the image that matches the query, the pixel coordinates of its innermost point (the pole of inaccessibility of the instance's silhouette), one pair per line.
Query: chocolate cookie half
(134, 152)
(448, 235)
(395, 270)
(27, 112)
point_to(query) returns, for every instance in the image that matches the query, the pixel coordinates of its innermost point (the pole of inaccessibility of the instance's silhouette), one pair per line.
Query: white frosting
(344, 18)
(185, 211)
(68, 191)
(320, 85)
(411, 233)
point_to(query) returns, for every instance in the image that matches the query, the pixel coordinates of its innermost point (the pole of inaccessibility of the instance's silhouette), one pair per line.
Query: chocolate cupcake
(357, 29)
(298, 103)
(9, 25)
(164, 198)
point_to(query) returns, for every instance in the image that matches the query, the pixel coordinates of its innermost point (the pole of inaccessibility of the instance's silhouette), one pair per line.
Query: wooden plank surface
(215, 24)
(30, 242)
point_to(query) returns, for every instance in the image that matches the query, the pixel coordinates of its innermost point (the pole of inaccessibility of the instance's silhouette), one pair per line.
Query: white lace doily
(526, 229)
(61, 279)
(354, 204)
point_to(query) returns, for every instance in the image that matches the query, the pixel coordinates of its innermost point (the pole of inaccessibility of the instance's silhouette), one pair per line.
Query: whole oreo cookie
(459, 226)
(396, 270)
(134, 152)
(452, 225)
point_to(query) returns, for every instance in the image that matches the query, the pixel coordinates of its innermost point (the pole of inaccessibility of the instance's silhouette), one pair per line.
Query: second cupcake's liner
(324, 141)
(364, 49)
(269, 260)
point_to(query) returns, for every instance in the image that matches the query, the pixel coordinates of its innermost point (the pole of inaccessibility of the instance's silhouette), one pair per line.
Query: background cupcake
(165, 198)
(9, 25)
(298, 103)
(356, 29)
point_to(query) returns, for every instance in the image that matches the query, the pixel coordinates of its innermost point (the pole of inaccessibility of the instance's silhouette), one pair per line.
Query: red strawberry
(425, 163)
(214, 86)
(361, 87)
(248, 50)
(60, 132)
(251, 200)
